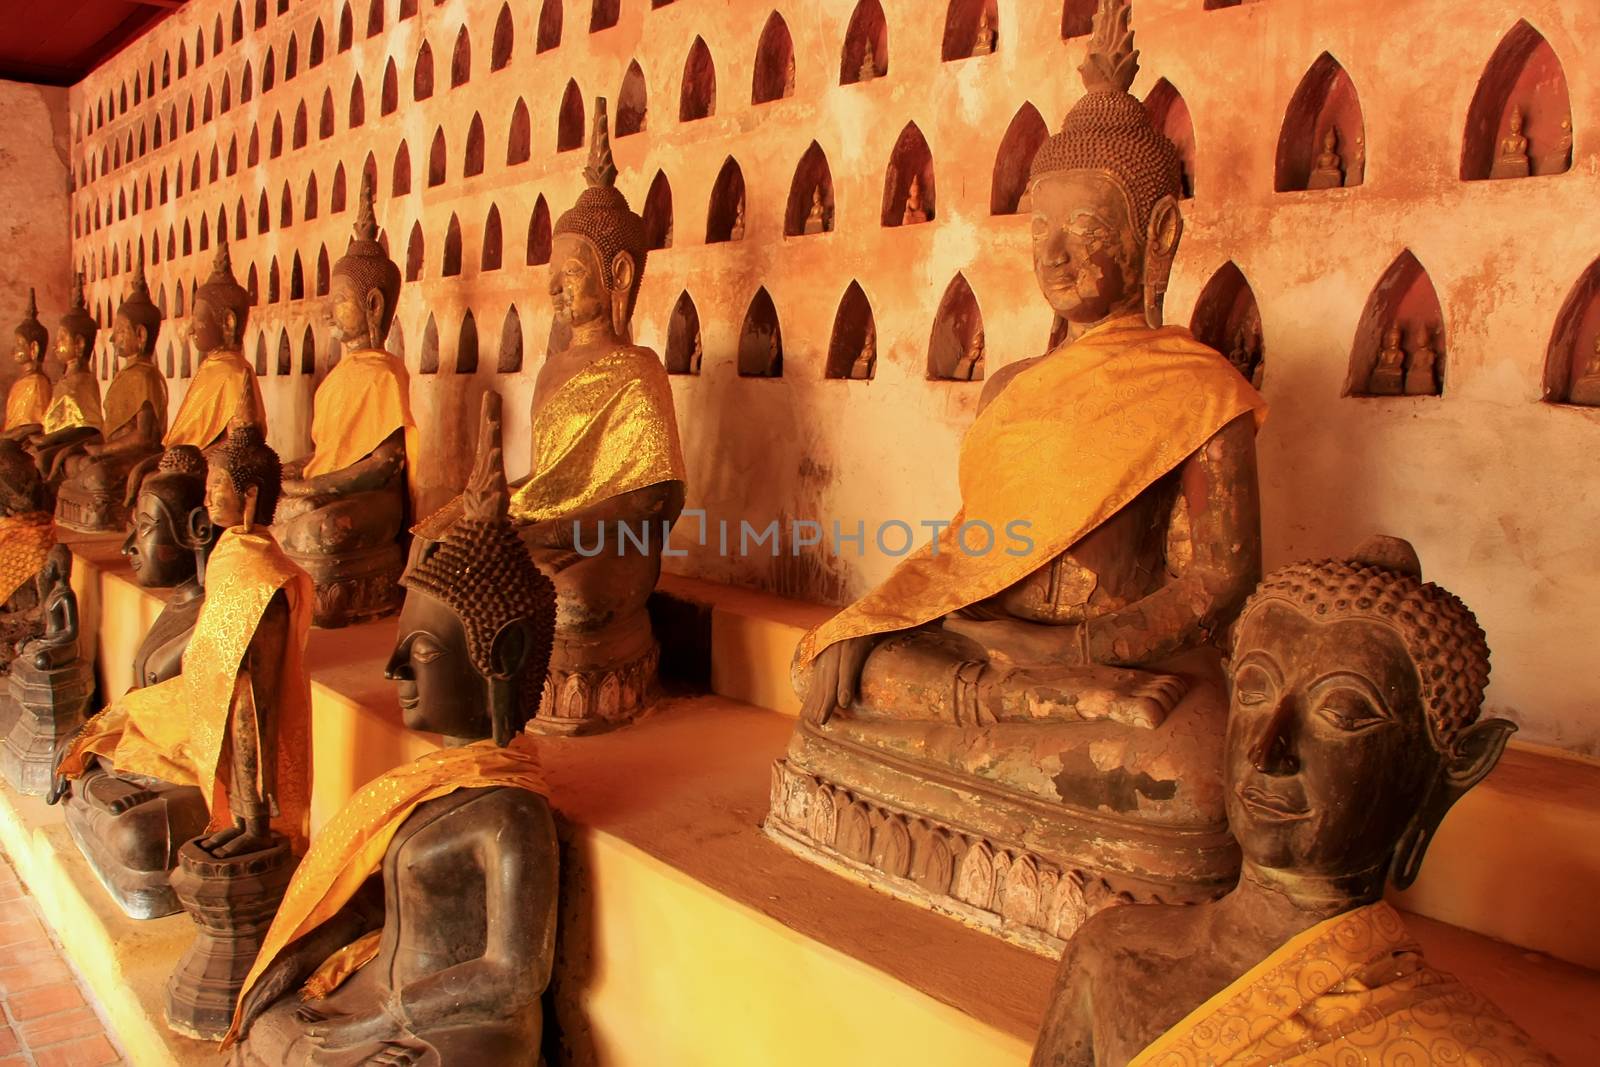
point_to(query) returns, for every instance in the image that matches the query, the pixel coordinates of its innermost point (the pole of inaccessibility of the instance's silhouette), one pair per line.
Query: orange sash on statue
(350, 848)
(1353, 989)
(1067, 443)
(134, 384)
(176, 730)
(363, 400)
(28, 400)
(213, 399)
(25, 543)
(76, 403)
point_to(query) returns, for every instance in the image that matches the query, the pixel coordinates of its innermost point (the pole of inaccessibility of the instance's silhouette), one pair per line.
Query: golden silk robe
(1353, 989)
(28, 400)
(350, 848)
(177, 730)
(76, 402)
(134, 384)
(363, 400)
(223, 380)
(25, 543)
(1065, 445)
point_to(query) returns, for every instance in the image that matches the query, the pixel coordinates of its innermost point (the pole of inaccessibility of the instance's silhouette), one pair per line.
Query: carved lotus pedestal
(1020, 829)
(354, 586)
(598, 682)
(89, 508)
(232, 901)
(49, 704)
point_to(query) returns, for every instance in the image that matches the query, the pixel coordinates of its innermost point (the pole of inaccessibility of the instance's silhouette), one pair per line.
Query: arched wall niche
(461, 60)
(685, 350)
(865, 55)
(308, 351)
(725, 219)
(1226, 318)
(285, 359)
(569, 121)
(956, 346)
(658, 213)
(1400, 347)
(549, 34)
(761, 339)
(504, 40)
(415, 253)
(428, 357)
(774, 75)
(509, 358)
(1322, 144)
(422, 73)
(971, 28)
(1520, 121)
(633, 102)
(810, 208)
(698, 97)
(472, 158)
(490, 256)
(450, 265)
(467, 345)
(1170, 114)
(519, 138)
(908, 184)
(539, 233)
(853, 344)
(1009, 187)
(603, 14)
(1572, 359)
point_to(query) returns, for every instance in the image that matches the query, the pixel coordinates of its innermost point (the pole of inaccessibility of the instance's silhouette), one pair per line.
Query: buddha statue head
(31, 339)
(365, 285)
(479, 616)
(1354, 720)
(138, 321)
(76, 334)
(170, 522)
(20, 486)
(1105, 191)
(221, 307)
(597, 248)
(244, 476)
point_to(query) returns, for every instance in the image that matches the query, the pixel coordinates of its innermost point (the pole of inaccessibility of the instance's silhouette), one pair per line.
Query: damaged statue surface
(606, 455)
(1354, 726)
(344, 508)
(1066, 695)
(420, 927)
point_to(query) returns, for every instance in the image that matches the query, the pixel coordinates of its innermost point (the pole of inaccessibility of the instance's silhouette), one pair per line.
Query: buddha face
(439, 688)
(1328, 753)
(224, 503)
(577, 287)
(348, 311)
(1086, 256)
(23, 351)
(212, 328)
(126, 339)
(71, 348)
(155, 548)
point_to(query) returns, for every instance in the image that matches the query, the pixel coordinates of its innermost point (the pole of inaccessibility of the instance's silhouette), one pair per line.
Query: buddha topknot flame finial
(366, 226)
(602, 169)
(487, 497)
(223, 264)
(33, 304)
(77, 292)
(1111, 61)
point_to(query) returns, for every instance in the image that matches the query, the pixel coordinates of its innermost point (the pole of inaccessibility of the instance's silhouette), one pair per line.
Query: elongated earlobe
(1162, 234)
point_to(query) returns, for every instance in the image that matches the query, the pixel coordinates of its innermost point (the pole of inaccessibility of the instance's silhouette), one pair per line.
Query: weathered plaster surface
(33, 208)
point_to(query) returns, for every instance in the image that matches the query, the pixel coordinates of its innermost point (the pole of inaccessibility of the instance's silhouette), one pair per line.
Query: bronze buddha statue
(29, 397)
(130, 826)
(607, 466)
(1511, 158)
(26, 538)
(420, 928)
(74, 417)
(1354, 726)
(1328, 173)
(95, 495)
(51, 682)
(1024, 722)
(344, 508)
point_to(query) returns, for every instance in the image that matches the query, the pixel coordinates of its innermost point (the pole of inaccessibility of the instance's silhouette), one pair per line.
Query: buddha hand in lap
(1053, 644)
(420, 927)
(345, 506)
(1353, 728)
(130, 826)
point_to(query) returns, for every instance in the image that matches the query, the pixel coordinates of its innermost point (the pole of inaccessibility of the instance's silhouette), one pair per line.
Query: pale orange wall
(33, 200)
(1481, 479)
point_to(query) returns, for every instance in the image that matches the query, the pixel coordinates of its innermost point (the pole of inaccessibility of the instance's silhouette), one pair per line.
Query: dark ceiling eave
(123, 34)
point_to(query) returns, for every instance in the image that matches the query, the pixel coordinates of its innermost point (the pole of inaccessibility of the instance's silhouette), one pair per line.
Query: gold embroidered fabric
(213, 398)
(1064, 445)
(350, 848)
(76, 403)
(176, 730)
(1351, 990)
(25, 542)
(362, 401)
(28, 400)
(136, 383)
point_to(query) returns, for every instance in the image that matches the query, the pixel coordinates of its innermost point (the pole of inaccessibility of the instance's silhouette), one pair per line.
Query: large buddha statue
(73, 417)
(224, 381)
(1354, 726)
(606, 459)
(1024, 721)
(130, 826)
(95, 495)
(420, 928)
(29, 397)
(345, 506)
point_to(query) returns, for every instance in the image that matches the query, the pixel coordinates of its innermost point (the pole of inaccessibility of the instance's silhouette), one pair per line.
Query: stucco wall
(33, 207)
(1486, 480)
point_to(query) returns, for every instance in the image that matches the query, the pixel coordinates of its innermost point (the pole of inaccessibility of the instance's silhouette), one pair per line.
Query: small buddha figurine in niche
(129, 826)
(788, 76)
(1357, 171)
(1329, 170)
(817, 217)
(914, 211)
(344, 508)
(1066, 680)
(1354, 727)
(224, 382)
(773, 366)
(1388, 373)
(866, 362)
(983, 40)
(736, 231)
(605, 455)
(1422, 365)
(1586, 390)
(970, 366)
(29, 397)
(420, 927)
(73, 417)
(1511, 161)
(1246, 352)
(869, 65)
(696, 354)
(95, 495)
(1559, 159)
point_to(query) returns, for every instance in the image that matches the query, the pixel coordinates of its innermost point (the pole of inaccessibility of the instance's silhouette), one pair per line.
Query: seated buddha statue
(1422, 366)
(29, 397)
(26, 538)
(1511, 159)
(1353, 728)
(94, 495)
(1586, 389)
(420, 927)
(345, 506)
(1024, 720)
(1329, 170)
(1389, 372)
(606, 457)
(129, 826)
(73, 417)
(914, 212)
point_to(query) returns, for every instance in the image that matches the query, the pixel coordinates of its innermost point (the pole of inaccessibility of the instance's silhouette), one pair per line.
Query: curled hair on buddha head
(179, 480)
(602, 216)
(222, 291)
(77, 321)
(367, 264)
(481, 570)
(138, 309)
(20, 485)
(31, 329)
(251, 462)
